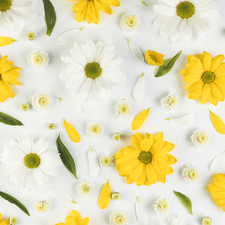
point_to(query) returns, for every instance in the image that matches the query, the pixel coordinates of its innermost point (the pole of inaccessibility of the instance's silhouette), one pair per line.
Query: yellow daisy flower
(205, 77)
(147, 161)
(154, 58)
(8, 75)
(4, 222)
(89, 9)
(217, 190)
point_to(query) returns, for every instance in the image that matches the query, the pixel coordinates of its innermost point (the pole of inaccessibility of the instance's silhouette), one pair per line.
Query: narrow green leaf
(66, 157)
(185, 200)
(167, 65)
(9, 120)
(50, 16)
(14, 201)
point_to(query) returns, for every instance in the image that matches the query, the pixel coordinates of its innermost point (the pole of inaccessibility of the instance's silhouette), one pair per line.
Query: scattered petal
(141, 214)
(217, 123)
(6, 41)
(187, 120)
(105, 196)
(139, 89)
(68, 35)
(217, 161)
(140, 119)
(71, 131)
(93, 162)
(70, 105)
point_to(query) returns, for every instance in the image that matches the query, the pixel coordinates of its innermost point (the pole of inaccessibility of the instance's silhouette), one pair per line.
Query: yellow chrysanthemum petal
(217, 123)
(105, 196)
(76, 216)
(140, 119)
(71, 131)
(84, 221)
(207, 61)
(217, 60)
(6, 41)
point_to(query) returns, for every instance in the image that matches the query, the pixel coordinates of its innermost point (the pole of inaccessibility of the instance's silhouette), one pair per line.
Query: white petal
(70, 105)
(93, 163)
(136, 51)
(59, 195)
(184, 120)
(182, 221)
(29, 181)
(139, 89)
(39, 177)
(40, 145)
(142, 2)
(172, 220)
(164, 10)
(68, 35)
(26, 143)
(217, 161)
(24, 13)
(141, 214)
(114, 77)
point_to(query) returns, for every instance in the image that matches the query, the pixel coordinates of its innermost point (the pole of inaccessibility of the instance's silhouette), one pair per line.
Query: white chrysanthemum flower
(42, 101)
(191, 173)
(30, 161)
(116, 196)
(179, 18)
(170, 102)
(31, 36)
(85, 188)
(106, 161)
(12, 220)
(117, 136)
(92, 70)
(38, 59)
(14, 14)
(200, 138)
(118, 218)
(25, 106)
(42, 206)
(162, 206)
(123, 109)
(95, 129)
(130, 22)
(207, 221)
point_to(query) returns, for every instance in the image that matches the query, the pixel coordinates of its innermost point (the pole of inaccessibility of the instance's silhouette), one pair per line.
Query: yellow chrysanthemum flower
(205, 77)
(75, 218)
(4, 222)
(8, 75)
(217, 190)
(154, 58)
(147, 161)
(89, 9)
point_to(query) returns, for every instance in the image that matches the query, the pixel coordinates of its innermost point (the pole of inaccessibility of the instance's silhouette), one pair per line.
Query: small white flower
(31, 36)
(207, 221)
(85, 188)
(191, 173)
(117, 136)
(200, 138)
(106, 161)
(130, 22)
(162, 206)
(38, 59)
(12, 220)
(123, 109)
(116, 196)
(42, 101)
(42, 206)
(170, 102)
(119, 218)
(95, 129)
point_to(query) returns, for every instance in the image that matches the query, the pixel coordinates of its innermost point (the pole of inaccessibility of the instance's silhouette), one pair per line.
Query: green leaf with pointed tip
(9, 120)
(167, 65)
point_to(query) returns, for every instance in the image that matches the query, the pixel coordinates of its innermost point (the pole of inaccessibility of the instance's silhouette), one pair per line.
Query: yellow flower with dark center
(146, 162)
(89, 9)
(205, 77)
(217, 190)
(154, 58)
(8, 75)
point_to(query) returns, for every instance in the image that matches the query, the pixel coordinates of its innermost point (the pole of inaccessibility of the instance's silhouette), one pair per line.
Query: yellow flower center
(25, 107)
(117, 136)
(12, 220)
(93, 70)
(192, 174)
(42, 206)
(5, 5)
(208, 77)
(153, 57)
(162, 206)
(106, 161)
(31, 36)
(0, 77)
(38, 59)
(51, 126)
(145, 157)
(32, 161)
(120, 219)
(43, 101)
(207, 221)
(95, 129)
(185, 10)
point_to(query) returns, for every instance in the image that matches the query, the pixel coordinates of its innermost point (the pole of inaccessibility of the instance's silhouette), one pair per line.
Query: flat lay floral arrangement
(111, 112)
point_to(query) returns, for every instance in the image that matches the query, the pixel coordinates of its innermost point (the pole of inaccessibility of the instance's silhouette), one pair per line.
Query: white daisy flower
(95, 129)
(30, 161)
(38, 59)
(85, 188)
(162, 206)
(42, 101)
(92, 70)
(170, 102)
(106, 161)
(119, 218)
(42, 206)
(130, 22)
(191, 173)
(14, 14)
(123, 109)
(179, 18)
(200, 138)
(207, 221)
(31, 36)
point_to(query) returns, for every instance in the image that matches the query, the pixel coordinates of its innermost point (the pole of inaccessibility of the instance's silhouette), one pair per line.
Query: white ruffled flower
(106, 161)
(30, 161)
(92, 70)
(31, 36)
(207, 221)
(179, 18)
(42, 101)
(42, 206)
(200, 138)
(191, 173)
(38, 59)
(130, 22)
(85, 188)
(123, 109)
(162, 206)
(95, 129)
(119, 218)
(170, 102)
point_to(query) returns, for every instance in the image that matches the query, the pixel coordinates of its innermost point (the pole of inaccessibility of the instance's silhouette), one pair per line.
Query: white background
(48, 79)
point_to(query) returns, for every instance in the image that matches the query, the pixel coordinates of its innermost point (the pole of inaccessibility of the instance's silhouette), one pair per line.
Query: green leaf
(9, 120)
(167, 65)
(50, 16)
(66, 157)
(14, 201)
(185, 200)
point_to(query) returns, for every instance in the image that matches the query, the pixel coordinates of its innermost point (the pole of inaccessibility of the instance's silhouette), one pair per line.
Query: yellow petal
(5, 41)
(71, 131)
(217, 123)
(0, 216)
(84, 221)
(105, 196)
(76, 216)
(140, 119)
